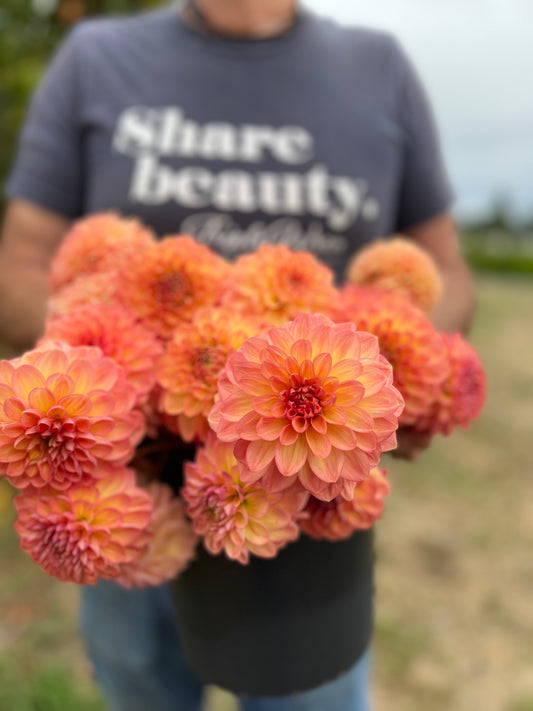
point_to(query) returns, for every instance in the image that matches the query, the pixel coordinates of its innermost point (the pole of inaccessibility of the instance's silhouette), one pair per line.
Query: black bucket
(277, 626)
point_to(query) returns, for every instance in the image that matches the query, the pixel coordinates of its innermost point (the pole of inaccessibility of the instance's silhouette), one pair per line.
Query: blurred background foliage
(29, 32)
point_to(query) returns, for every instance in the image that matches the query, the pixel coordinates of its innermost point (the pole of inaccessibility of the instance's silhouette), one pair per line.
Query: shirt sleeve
(48, 165)
(425, 189)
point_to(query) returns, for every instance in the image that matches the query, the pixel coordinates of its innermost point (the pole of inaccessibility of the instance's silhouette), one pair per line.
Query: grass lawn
(454, 619)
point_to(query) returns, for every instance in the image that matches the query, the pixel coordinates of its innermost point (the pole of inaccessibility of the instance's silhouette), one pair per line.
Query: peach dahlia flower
(462, 394)
(97, 288)
(171, 545)
(407, 339)
(165, 285)
(312, 400)
(400, 266)
(115, 331)
(338, 519)
(64, 412)
(95, 244)
(189, 368)
(279, 283)
(234, 516)
(88, 531)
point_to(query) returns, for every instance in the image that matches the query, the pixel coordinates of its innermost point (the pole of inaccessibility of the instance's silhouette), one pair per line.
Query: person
(237, 122)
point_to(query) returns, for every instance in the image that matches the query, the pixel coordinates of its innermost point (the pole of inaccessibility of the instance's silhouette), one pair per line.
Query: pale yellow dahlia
(96, 244)
(400, 266)
(407, 339)
(88, 531)
(279, 283)
(233, 516)
(338, 519)
(312, 400)
(171, 545)
(64, 412)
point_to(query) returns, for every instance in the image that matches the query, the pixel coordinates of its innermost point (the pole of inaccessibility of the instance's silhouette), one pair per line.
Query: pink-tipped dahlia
(311, 399)
(234, 516)
(115, 331)
(96, 244)
(462, 394)
(278, 283)
(407, 339)
(188, 371)
(338, 519)
(97, 288)
(165, 285)
(64, 412)
(171, 546)
(400, 266)
(87, 532)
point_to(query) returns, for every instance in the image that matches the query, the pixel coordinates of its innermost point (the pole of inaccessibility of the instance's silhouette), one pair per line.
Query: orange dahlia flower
(234, 516)
(96, 244)
(165, 285)
(118, 335)
(338, 519)
(188, 371)
(86, 532)
(97, 288)
(279, 283)
(398, 265)
(64, 412)
(312, 400)
(407, 339)
(171, 546)
(462, 394)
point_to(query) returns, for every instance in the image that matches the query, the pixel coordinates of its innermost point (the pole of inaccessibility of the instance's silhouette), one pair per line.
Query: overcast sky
(476, 59)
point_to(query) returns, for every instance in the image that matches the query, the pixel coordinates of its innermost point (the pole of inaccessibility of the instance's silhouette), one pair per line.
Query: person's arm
(439, 238)
(30, 236)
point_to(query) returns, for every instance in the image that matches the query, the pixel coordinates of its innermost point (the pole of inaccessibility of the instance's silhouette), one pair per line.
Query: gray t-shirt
(320, 138)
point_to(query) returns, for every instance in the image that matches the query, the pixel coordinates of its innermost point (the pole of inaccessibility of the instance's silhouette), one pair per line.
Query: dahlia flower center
(207, 362)
(305, 398)
(173, 288)
(64, 447)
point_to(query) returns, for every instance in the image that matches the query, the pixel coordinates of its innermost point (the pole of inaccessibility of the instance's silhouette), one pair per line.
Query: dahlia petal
(13, 408)
(292, 458)
(41, 399)
(319, 424)
(329, 469)
(259, 454)
(288, 435)
(247, 426)
(265, 404)
(342, 437)
(349, 393)
(301, 350)
(25, 379)
(319, 444)
(61, 385)
(269, 428)
(335, 415)
(359, 419)
(347, 369)
(322, 365)
(235, 406)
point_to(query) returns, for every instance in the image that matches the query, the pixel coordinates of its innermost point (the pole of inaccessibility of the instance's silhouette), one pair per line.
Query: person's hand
(411, 443)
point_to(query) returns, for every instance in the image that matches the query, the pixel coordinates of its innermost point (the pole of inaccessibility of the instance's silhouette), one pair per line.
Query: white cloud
(476, 59)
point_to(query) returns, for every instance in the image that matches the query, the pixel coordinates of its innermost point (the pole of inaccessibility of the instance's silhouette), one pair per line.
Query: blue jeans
(132, 642)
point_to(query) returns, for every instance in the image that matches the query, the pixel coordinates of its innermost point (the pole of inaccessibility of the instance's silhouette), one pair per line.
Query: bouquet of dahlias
(285, 390)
